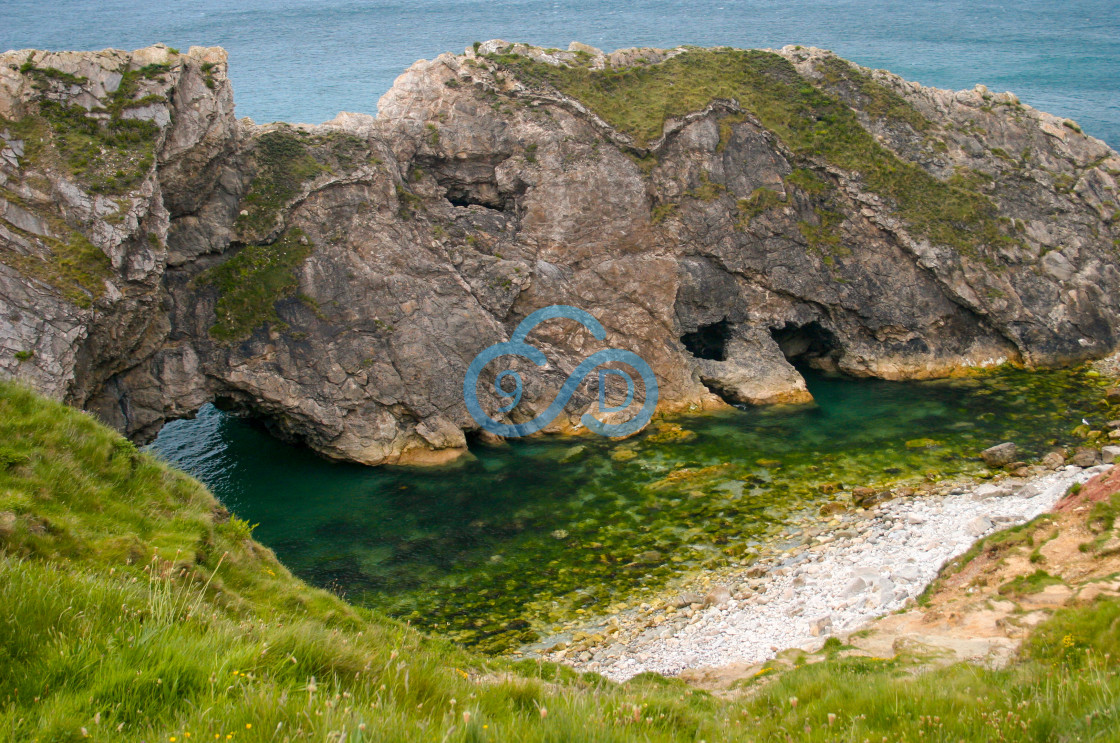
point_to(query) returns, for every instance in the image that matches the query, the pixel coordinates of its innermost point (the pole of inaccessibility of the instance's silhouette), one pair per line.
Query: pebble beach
(869, 563)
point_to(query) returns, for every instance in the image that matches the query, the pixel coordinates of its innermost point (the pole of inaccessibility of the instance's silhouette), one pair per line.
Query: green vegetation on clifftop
(814, 124)
(104, 148)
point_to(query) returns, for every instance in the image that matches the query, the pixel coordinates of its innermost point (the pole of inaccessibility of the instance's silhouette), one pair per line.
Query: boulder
(908, 573)
(992, 490)
(1086, 457)
(1113, 395)
(855, 587)
(1053, 460)
(978, 526)
(1110, 453)
(820, 625)
(867, 497)
(1000, 454)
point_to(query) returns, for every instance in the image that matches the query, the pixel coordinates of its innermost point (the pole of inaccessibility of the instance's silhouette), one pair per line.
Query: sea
(306, 60)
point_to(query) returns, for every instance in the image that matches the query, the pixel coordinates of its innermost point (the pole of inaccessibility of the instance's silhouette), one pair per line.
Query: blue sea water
(305, 60)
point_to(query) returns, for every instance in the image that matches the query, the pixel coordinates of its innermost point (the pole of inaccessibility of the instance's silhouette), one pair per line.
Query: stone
(855, 587)
(1110, 454)
(908, 573)
(1113, 424)
(649, 557)
(867, 497)
(718, 596)
(1086, 457)
(1113, 395)
(1053, 460)
(820, 625)
(992, 490)
(687, 599)
(1114, 434)
(978, 526)
(1000, 454)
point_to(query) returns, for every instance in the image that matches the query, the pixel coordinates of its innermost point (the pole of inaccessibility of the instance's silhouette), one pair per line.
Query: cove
(490, 550)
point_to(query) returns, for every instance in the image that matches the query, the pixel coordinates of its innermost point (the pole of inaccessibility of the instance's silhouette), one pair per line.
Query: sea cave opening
(709, 341)
(462, 197)
(807, 346)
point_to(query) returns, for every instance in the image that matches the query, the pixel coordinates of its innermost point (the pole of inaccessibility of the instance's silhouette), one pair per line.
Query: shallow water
(305, 60)
(518, 536)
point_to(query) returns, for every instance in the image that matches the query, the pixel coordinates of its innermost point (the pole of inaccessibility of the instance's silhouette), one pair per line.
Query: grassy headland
(133, 607)
(817, 125)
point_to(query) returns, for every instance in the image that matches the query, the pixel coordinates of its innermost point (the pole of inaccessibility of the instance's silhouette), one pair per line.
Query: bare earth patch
(980, 611)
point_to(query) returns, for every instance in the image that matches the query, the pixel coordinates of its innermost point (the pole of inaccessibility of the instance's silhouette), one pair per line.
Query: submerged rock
(337, 280)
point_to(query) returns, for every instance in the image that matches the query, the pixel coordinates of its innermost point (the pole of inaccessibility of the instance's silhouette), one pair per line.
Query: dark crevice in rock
(461, 197)
(709, 341)
(810, 345)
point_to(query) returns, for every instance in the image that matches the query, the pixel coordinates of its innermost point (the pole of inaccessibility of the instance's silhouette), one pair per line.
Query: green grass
(707, 189)
(862, 92)
(284, 160)
(808, 181)
(283, 163)
(761, 200)
(1024, 585)
(134, 607)
(814, 123)
(73, 265)
(824, 235)
(253, 281)
(110, 156)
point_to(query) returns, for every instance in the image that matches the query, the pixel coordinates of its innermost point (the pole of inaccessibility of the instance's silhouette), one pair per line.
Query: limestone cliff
(721, 212)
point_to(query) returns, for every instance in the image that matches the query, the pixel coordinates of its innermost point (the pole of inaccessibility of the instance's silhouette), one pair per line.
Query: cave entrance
(811, 345)
(709, 341)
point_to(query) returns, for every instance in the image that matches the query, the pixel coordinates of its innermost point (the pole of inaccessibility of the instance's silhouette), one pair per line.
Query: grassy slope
(133, 608)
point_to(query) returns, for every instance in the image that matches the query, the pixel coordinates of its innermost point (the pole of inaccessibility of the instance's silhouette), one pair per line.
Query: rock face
(337, 280)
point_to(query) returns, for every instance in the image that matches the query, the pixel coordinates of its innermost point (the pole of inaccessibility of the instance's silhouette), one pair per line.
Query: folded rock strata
(725, 214)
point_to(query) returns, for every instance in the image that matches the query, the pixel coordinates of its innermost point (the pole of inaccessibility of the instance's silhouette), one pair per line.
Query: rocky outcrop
(724, 214)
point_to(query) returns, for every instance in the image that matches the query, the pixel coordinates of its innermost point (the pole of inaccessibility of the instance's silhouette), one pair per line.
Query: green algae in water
(488, 550)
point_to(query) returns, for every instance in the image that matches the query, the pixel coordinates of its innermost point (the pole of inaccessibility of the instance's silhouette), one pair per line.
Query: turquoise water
(494, 548)
(305, 60)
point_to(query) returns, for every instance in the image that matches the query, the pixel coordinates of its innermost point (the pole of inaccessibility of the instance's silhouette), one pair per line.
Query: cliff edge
(724, 213)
